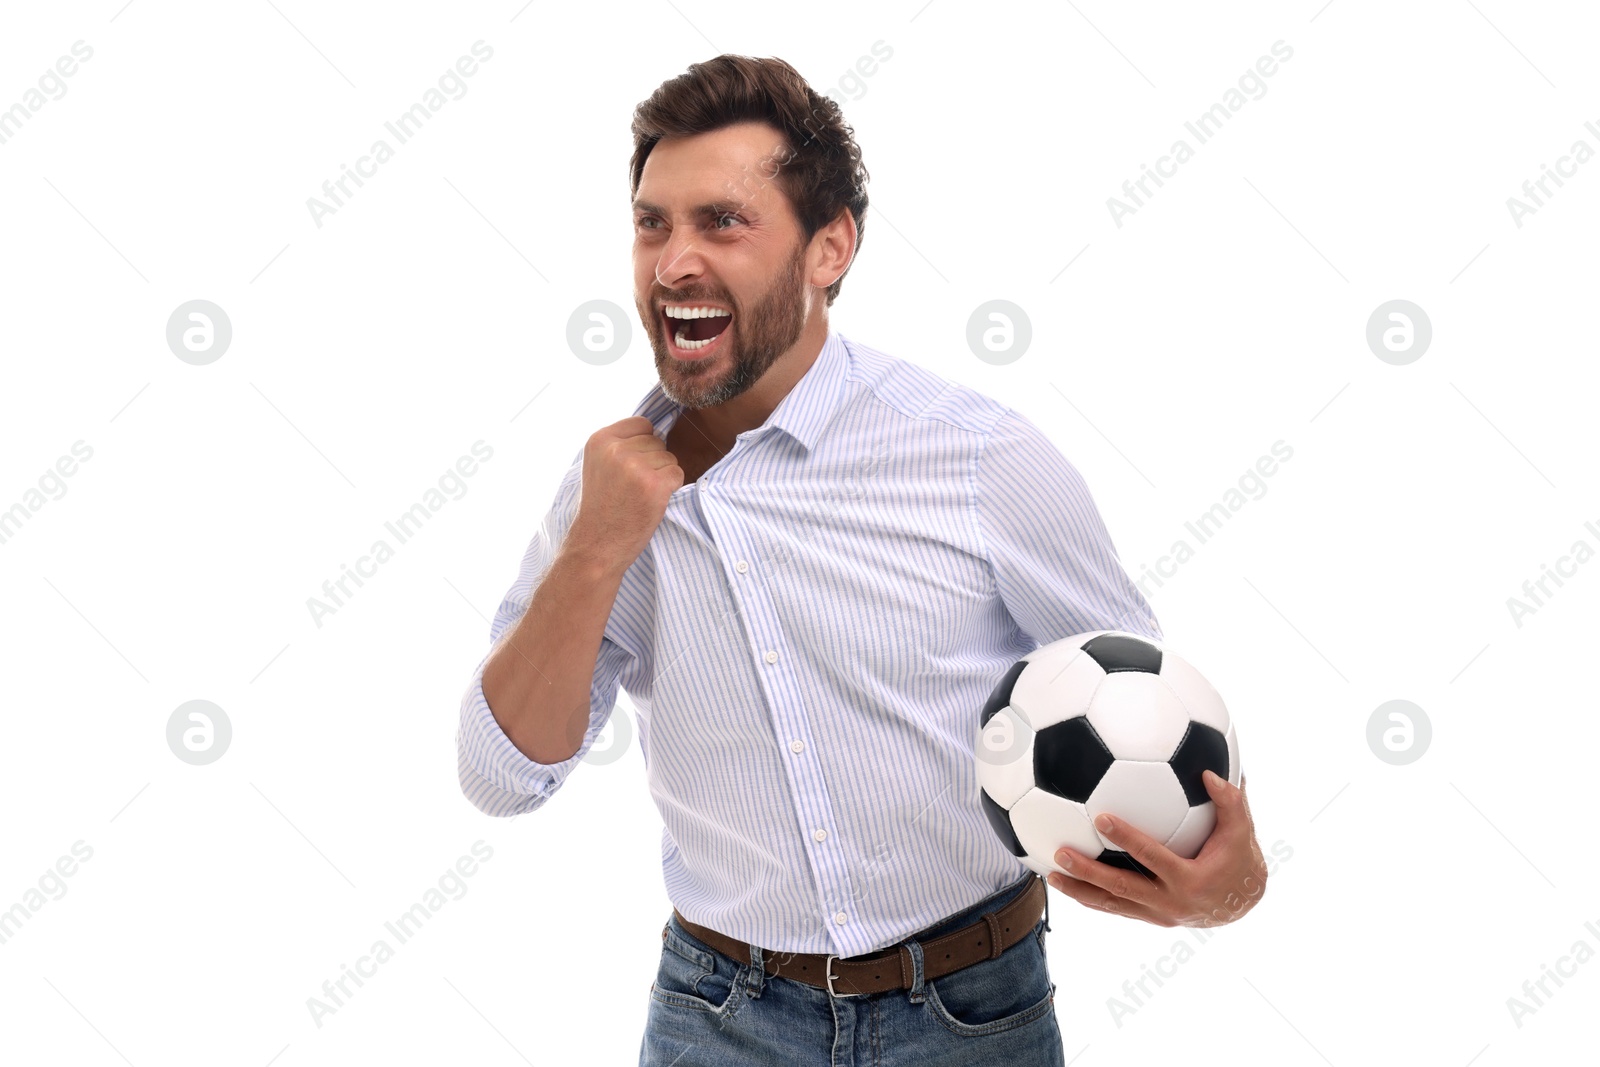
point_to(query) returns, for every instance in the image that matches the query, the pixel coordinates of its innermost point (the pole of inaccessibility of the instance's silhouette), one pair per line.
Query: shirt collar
(802, 414)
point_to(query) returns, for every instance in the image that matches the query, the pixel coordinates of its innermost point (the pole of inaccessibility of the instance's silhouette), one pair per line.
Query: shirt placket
(775, 668)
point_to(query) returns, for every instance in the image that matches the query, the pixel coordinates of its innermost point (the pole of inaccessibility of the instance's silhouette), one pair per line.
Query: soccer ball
(1101, 721)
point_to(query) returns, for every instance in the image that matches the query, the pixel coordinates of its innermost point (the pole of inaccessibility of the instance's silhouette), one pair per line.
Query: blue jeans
(711, 1010)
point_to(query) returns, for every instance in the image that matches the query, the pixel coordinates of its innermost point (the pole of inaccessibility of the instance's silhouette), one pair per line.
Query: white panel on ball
(1145, 794)
(1005, 757)
(1057, 685)
(1199, 698)
(1044, 822)
(1193, 831)
(1233, 755)
(1137, 716)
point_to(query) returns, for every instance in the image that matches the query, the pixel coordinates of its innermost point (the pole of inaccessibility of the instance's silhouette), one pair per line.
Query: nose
(680, 259)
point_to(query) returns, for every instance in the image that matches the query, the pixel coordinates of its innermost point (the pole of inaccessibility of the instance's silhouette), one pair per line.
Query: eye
(735, 218)
(642, 219)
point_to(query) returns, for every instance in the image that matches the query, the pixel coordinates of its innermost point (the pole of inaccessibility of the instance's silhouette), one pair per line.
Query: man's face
(711, 229)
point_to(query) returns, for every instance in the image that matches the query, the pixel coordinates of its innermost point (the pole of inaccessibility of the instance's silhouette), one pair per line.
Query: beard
(765, 330)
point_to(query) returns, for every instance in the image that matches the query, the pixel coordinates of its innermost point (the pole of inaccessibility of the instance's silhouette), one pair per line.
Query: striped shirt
(808, 639)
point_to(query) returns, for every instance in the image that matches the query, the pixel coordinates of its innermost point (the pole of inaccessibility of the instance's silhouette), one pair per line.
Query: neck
(750, 409)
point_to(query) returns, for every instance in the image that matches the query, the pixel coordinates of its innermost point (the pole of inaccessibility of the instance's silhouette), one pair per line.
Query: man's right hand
(538, 682)
(628, 477)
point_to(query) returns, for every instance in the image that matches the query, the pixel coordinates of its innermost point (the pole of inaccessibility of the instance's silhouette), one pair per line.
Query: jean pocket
(995, 995)
(692, 976)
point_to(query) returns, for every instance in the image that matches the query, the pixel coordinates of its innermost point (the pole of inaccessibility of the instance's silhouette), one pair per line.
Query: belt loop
(756, 978)
(914, 950)
(993, 921)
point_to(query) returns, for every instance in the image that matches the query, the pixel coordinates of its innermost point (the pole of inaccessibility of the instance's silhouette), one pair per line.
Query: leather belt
(877, 972)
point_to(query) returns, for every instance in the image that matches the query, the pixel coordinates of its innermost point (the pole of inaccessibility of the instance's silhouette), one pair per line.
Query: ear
(837, 245)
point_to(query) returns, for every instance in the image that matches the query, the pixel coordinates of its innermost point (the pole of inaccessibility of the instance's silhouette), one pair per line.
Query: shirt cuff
(496, 775)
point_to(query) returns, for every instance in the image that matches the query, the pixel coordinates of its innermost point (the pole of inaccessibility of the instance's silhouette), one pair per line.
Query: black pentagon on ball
(1002, 692)
(1001, 821)
(1202, 748)
(1069, 759)
(1115, 857)
(1121, 652)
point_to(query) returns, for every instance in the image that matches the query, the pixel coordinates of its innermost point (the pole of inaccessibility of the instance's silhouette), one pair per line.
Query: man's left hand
(1225, 880)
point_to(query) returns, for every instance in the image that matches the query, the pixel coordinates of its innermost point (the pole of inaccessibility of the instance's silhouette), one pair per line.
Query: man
(808, 563)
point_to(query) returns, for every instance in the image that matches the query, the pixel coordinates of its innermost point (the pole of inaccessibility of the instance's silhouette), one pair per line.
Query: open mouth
(693, 330)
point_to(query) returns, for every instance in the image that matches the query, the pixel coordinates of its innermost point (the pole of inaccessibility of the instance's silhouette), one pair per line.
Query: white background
(368, 354)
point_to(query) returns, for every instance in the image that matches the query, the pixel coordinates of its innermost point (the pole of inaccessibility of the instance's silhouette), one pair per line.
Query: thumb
(1220, 789)
(1230, 799)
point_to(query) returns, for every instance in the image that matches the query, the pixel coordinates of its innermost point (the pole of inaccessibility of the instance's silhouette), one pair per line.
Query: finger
(633, 424)
(1162, 861)
(1126, 885)
(1091, 896)
(1085, 893)
(645, 442)
(1233, 815)
(1234, 834)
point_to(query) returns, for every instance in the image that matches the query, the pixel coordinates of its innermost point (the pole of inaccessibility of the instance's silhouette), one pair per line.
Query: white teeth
(695, 312)
(689, 346)
(680, 339)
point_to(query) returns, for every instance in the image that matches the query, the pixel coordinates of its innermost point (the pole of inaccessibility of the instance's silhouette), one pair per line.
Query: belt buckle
(828, 972)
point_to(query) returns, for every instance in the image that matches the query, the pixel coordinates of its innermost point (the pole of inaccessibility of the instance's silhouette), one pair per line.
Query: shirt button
(741, 566)
(841, 918)
(820, 835)
(797, 746)
(772, 657)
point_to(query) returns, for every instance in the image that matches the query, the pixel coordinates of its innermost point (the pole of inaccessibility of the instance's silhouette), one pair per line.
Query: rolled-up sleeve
(495, 775)
(1054, 562)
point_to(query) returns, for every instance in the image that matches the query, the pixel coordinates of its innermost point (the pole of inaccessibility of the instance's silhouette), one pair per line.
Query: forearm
(537, 680)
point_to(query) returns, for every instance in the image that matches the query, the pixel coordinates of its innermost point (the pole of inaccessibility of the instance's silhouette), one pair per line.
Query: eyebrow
(702, 211)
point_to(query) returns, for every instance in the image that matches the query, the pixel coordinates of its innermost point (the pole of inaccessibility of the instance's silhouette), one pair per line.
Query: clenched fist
(628, 477)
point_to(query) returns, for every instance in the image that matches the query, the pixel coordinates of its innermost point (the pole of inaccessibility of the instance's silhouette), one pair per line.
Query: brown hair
(822, 173)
